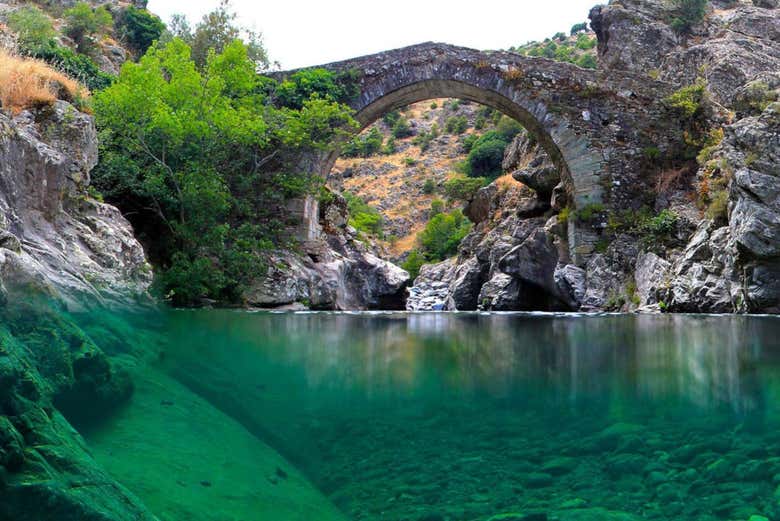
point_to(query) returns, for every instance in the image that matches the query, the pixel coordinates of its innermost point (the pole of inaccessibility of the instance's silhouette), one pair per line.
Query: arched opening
(438, 88)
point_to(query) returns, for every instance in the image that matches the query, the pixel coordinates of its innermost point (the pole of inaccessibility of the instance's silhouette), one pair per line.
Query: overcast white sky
(299, 34)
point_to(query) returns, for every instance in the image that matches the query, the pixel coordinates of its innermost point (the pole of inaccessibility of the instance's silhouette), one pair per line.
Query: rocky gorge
(711, 261)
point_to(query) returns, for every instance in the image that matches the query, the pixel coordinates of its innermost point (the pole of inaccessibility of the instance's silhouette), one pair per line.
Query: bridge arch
(591, 125)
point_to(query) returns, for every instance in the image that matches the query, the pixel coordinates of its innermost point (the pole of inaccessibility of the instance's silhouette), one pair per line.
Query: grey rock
(54, 236)
(479, 208)
(570, 281)
(651, 277)
(468, 277)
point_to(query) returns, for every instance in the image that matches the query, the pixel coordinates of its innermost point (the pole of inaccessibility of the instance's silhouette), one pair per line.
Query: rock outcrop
(53, 235)
(337, 272)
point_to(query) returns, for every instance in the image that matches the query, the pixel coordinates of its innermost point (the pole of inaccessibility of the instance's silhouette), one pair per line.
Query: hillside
(403, 182)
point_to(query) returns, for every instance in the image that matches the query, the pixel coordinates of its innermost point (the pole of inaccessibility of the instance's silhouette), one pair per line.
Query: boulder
(570, 281)
(651, 277)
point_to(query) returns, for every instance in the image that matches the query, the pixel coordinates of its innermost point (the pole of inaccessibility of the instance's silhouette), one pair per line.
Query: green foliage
(434, 105)
(429, 186)
(308, 83)
(487, 153)
(437, 207)
(688, 13)
(717, 210)
(389, 147)
(564, 215)
(660, 225)
(414, 261)
(508, 128)
(215, 31)
(587, 61)
(651, 153)
(560, 36)
(456, 125)
(692, 106)
(467, 142)
(77, 66)
(401, 128)
(362, 216)
(586, 42)
(410, 161)
(391, 118)
(463, 188)
(423, 140)
(83, 23)
(442, 235)
(688, 101)
(194, 157)
(364, 145)
(653, 230)
(139, 28)
(588, 213)
(33, 27)
(578, 28)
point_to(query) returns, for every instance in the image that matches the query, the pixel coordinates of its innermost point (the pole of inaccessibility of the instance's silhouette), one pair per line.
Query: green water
(433, 417)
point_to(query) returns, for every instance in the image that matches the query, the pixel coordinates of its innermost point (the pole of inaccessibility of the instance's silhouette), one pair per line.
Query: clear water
(433, 417)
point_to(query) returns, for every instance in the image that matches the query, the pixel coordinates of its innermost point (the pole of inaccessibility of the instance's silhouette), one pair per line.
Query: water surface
(442, 416)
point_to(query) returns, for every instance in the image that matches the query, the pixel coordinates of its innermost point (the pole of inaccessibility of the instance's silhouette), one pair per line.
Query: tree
(193, 156)
(579, 28)
(140, 28)
(83, 23)
(442, 235)
(215, 31)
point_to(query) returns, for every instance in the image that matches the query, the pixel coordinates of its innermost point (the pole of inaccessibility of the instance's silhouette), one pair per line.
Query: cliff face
(712, 243)
(53, 235)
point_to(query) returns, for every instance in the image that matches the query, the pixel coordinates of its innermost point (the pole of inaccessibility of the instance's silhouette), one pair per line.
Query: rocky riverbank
(704, 239)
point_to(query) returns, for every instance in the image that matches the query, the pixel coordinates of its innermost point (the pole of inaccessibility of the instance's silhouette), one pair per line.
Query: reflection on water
(465, 416)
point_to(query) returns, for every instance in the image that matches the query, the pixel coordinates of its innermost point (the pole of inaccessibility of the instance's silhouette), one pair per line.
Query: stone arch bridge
(594, 125)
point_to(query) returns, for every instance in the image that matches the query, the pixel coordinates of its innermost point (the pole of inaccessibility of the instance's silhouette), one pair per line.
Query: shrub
(423, 140)
(410, 161)
(362, 216)
(687, 14)
(82, 23)
(456, 125)
(78, 66)
(434, 105)
(302, 85)
(486, 155)
(463, 188)
(389, 147)
(391, 118)
(467, 142)
(688, 101)
(560, 36)
(587, 61)
(33, 28)
(401, 128)
(586, 42)
(27, 83)
(437, 207)
(140, 28)
(508, 128)
(429, 186)
(365, 145)
(442, 235)
(414, 261)
(717, 210)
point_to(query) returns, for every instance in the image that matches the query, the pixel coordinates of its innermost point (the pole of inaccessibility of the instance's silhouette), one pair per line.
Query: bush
(362, 216)
(391, 118)
(33, 28)
(423, 140)
(429, 186)
(456, 125)
(586, 42)
(302, 85)
(82, 23)
(717, 210)
(578, 28)
(414, 261)
(140, 28)
(364, 146)
(442, 235)
(437, 207)
(389, 147)
(401, 128)
(508, 128)
(463, 188)
(486, 155)
(688, 101)
(688, 13)
(587, 61)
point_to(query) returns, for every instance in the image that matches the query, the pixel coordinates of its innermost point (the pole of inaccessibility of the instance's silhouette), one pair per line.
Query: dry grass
(26, 83)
